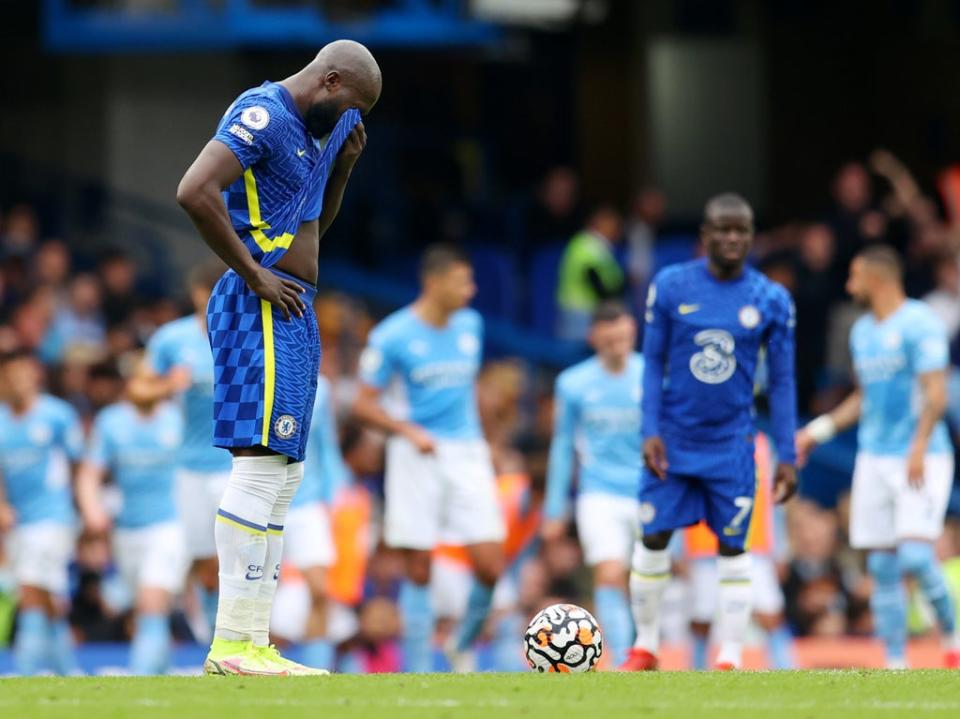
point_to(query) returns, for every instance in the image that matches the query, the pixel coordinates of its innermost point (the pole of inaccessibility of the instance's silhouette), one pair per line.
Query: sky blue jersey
(140, 453)
(285, 169)
(702, 344)
(36, 449)
(437, 369)
(888, 358)
(183, 343)
(596, 417)
(323, 471)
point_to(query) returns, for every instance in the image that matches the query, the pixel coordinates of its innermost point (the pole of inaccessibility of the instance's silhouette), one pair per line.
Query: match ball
(563, 638)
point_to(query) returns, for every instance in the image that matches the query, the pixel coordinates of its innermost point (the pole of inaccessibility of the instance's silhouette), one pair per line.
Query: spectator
(80, 323)
(854, 220)
(944, 300)
(589, 273)
(646, 215)
(118, 276)
(555, 215)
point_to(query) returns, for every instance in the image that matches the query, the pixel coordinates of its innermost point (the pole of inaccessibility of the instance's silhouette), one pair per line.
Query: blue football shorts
(265, 368)
(716, 485)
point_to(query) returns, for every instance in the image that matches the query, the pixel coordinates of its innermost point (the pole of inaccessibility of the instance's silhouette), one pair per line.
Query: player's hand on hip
(353, 146)
(805, 444)
(553, 529)
(655, 456)
(280, 292)
(420, 438)
(915, 465)
(784, 483)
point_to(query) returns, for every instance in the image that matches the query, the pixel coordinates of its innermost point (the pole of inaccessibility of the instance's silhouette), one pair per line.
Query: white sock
(241, 537)
(263, 605)
(734, 606)
(648, 580)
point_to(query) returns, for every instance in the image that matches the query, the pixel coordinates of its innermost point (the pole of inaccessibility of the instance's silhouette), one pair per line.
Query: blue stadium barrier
(542, 298)
(495, 271)
(671, 249)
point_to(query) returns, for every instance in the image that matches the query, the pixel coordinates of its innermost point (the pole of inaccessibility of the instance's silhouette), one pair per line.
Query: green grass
(817, 695)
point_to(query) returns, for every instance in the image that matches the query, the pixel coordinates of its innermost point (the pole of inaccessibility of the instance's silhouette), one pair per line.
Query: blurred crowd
(86, 316)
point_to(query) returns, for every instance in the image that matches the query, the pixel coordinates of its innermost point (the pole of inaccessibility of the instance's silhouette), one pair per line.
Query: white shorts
(307, 541)
(884, 508)
(198, 496)
(767, 595)
(152, 557)
(608, 526)
(448, 496)
(40, 553)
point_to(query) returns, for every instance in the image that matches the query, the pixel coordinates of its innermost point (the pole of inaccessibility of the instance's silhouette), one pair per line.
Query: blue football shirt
(36, 449)
(436, 367)
(140, 453)
(183, 343)
(285, 169)
(323, 470)
(888, 357)
(596, 418)
(702, 345)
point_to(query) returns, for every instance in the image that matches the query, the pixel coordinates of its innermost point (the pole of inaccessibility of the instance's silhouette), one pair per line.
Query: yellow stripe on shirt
(257, 225)
(269, 370)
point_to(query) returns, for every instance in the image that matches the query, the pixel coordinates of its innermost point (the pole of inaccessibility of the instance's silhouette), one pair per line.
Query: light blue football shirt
(597, 417)
(183, 343)
(323, 470)
(36, 449)
(140, 452)
(888, 356)
(437, 368)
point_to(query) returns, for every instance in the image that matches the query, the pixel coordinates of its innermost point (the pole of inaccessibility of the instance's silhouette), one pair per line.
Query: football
(563, 638)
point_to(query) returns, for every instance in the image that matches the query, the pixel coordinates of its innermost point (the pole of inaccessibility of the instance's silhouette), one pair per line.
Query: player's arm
(367, 408)
(560, 466)
(90, 477)
(782, 393)
(199, 193)
(337, 184)
(933, 387)
(656, 337)
(825, 427)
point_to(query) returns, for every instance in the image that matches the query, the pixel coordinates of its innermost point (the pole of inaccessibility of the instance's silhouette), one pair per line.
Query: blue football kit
(437, 368)
(702, 345)
(140, 452)
(183, 343)
(596, 422)
(36, 450)
(265, 366)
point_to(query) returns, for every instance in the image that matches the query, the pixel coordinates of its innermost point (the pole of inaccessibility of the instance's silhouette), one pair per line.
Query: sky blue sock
(919, 560)
(780, 648)
(30, 650)
(507, 649)
(889, 603)
(317, 653)
(701, 651)
(417, 616)
(613, 613)
(150, 650)
(478, 608)
(61, 648)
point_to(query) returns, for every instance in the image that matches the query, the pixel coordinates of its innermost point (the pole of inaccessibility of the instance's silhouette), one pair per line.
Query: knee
(610, 574)
(418, 567)
(657, 541)
(488, 569)
(915, 557)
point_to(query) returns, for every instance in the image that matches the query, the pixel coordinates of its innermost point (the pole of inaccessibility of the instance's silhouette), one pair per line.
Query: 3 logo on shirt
(716, 363)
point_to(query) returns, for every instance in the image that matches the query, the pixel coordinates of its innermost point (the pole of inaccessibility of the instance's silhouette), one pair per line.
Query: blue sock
(33, 641)
(613, 613)
(417, 616)
(150, 650)
(920, 560)
(780, 648)
(889, 604)
(478, 608)
(61, 649)
(701, 649)
(317, 653)
(507, 652)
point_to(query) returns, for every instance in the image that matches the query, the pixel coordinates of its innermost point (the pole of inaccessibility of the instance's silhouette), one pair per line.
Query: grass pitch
(817, 695)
